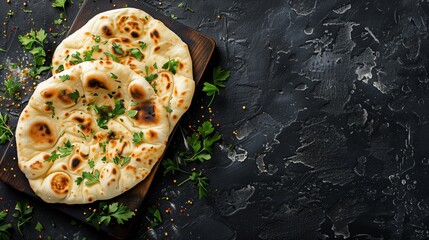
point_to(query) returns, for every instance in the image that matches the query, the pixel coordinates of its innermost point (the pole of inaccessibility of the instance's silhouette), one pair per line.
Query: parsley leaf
(63, 151)
(117, 49)
(95, 48)
(77, 58)
(96, 38)
(91, 178)
(105, 213)
(157, 219)
(60, 68)
(60, 4)
(38, 227)
(138, 137)
(132, 113)
(11, 87)
(171, 65)
(51, 107)
(74, 95)
(4, 226)
(23, 213)
(143, 45)
(199, 180)
(169, 110)
(114, 58)
(6, 133)
(106, 113)
(219, 78)
(135, 52)
(64, 78)
(87, 55)
(121, 160)
(202, 143)
(112, 75)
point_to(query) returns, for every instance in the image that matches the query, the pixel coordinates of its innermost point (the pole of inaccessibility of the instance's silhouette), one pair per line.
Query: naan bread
(133, 38)
(96, 159)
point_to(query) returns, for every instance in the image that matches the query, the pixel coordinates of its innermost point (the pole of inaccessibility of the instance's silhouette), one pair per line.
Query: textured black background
(333, 140)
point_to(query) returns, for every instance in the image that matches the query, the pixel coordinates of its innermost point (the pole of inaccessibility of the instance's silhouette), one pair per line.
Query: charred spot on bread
(146, 113)
(40, 132)
(60, 183)
(107, 30)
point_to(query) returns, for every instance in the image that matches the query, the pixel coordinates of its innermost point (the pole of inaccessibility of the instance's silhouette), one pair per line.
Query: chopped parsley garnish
(74, 95)
(51, 107)
(169, 110)
(60, 4)
(91, 163)
(112, 75)
(77, 58)
(219, 77)
(138, 137)
(95, 48)
(135, 52)
(132, 113)
(114, 58)
(6, 133)
(117, 49)
(121, 160)
(106, 113)
(65, 77)
(106, 212)
(62, 151)
(87, 55)
(60, 68)
(199, 180)
(103, 145)
(91, 178)
(38, 227)
(173, 16)
(96, 38)
(5, 227)
(171, 65)
(143, 45)
(151, 77)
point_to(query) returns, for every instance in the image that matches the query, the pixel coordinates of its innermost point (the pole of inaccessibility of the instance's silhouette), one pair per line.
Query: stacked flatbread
(98, 126)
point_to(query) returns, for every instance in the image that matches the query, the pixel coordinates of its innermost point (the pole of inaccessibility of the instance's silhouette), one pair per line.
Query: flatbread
(61, 121)
(131, 31)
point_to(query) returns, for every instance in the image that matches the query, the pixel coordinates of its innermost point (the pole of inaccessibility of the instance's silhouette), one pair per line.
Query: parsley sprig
(6, 133)
(23, 213)
(138, 137)
(106, 113)
(60, 4)
(105, 212)
(171, 65)
(11, 86)
(34, 42)
(90, 177)
(4, 226)
(62, 151)
(200, 148)
(219, 77)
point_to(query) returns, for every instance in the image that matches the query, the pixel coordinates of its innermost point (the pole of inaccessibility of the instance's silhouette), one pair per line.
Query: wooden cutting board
(201, 48)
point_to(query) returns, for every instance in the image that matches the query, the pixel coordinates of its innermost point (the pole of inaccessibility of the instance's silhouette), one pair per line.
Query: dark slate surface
(333, 140)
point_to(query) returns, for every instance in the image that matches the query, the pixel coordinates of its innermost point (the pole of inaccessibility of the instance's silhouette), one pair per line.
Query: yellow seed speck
(174, 181)
(243, 107)
(166, 234)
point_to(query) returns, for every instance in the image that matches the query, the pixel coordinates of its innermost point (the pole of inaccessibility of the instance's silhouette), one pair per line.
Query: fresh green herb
(157, 219)
(74, 95)
(95, 48)
(171, 166)
(6, 133)
(38, 227)
(143, 45)
(103, 145)
(190, 9)
(60, 4)
(181, 5)
(132, 113)
(104, 159)
(63, 151)
(121, 160)
(117, 49)
(202, 151)
(91, 178)
(27, 10)
(60, 68)
(219, 78)
(11, 87)
(77, 58)
(151, 77)
(2, 50)
(199, 180)
(138, 137)
(135, 52)
(23, 213)
(105, 114)
(173, 16)
(51, 107)
(114, 58)
(58, 34)
(65, 77)
(155, 66)
(105, 213)
(96, 38)
(34, 42)
(4, 226)
(91, 163)
(112, 75)
(169, 110)
(59, 20)
(87, 55)
(171, 65)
